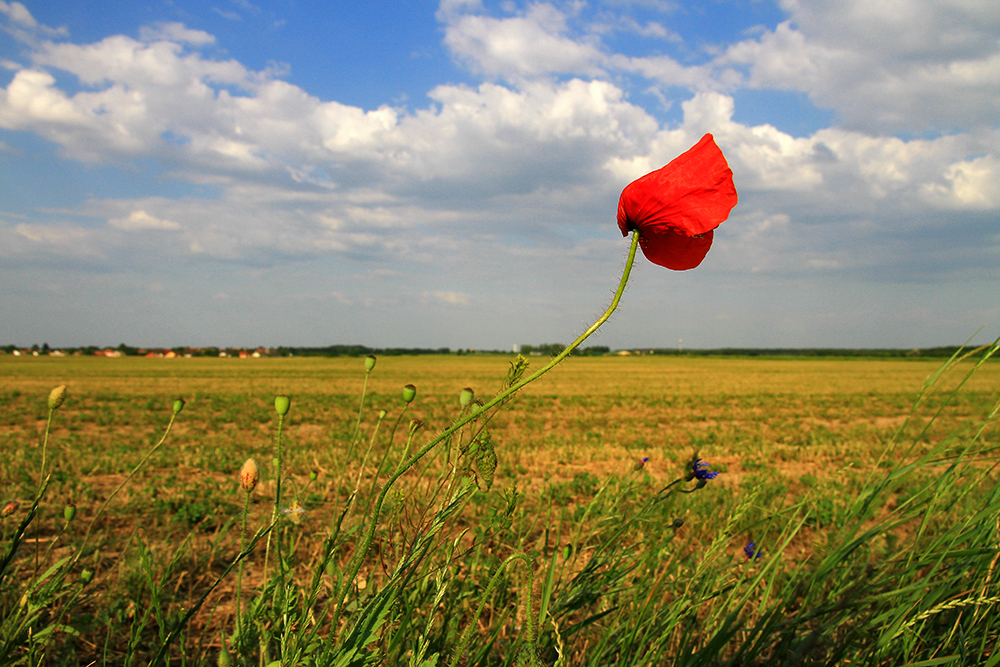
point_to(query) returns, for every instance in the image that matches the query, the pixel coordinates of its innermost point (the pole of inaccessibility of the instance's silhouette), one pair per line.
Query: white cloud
(140, 220)
(527, 45)
(969, 184)
(449, 298)
(517, 176)
(18, 13)
(884, 66)
(175, 32)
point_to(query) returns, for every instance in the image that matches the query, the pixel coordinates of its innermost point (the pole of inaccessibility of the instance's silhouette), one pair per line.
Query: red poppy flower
(677, 208)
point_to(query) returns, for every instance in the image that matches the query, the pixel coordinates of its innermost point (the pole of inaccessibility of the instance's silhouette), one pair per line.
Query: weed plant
(397, 543)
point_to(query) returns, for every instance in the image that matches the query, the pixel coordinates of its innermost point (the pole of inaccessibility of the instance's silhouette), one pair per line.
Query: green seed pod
(313, 475)
(178, 406)
(370, 363)
(57, 396)
(466, 397)
(486, 462)
(69, 512)
(282, 404)
(86, 576)
(409, 393)
(224, 660)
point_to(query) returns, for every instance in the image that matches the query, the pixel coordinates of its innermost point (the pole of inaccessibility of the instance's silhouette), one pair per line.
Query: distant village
(544, 350)
(153, 353)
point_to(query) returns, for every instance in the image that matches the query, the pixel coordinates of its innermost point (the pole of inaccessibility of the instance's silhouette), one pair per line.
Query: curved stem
(529, 610)
(365, 544)
(114, 493)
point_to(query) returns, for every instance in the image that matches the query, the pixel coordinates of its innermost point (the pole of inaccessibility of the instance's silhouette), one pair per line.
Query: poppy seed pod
(677, 207)
(86, 576)
(466, 397)
(69, 512)
(249, 475)
(282, 404)
(409, 393)
(57, 396)
(178, 406)
(370, 363)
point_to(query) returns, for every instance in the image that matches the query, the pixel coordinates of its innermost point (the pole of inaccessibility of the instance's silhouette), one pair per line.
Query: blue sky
(446, 174)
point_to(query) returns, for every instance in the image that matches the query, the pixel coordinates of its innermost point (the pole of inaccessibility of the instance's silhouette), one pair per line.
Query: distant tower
(680, 345)
(517, 348)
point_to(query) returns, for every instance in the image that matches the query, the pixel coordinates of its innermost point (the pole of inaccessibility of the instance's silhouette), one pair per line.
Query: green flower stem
(366, 541)
(114, 493)
(361, 408)
(165, 645)
(41, 476)
(22, 527)
(276, 510)
(277, 470)
(529, 621)
(45, 446)
(239, 575)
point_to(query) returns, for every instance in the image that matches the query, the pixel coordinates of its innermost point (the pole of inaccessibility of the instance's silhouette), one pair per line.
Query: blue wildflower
(640, 464)
(699, 471)
(751, 551)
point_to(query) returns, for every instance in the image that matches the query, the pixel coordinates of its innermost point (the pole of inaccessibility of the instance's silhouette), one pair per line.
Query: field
(867, 487)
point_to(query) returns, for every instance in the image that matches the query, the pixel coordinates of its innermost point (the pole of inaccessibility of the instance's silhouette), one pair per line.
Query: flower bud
(370, 363)
(313, 475)
(409, 393)
(57, 396)
(281, 405)
(86, 576)
(249, 475)
(224, 660)
(178, 406)
(69, 512)
(9, 508)
(466, 397)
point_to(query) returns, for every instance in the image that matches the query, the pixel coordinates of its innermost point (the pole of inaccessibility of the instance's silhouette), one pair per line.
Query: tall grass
(419, 559)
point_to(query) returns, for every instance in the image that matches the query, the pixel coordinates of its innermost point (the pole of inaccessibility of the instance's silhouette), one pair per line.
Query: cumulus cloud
(531, 154)
(140, 220)
(883, 66)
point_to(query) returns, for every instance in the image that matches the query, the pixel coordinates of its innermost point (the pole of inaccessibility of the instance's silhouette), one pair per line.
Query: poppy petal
(673, 206)
(673, 250)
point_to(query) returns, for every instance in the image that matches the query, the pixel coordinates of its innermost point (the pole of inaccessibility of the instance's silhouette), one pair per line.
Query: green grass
(874, 504)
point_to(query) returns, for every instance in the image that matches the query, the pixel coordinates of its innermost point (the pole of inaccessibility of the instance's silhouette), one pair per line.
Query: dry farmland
(794, 440)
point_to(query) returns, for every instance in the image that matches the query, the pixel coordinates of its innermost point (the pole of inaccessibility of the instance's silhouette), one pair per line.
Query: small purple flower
(751, 551)
(699, 471)
(640, 464)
